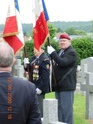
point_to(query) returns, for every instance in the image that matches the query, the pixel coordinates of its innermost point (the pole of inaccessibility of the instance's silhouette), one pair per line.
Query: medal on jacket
(35, 72)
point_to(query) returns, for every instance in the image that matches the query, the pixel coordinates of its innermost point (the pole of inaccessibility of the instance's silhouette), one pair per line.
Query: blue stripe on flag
(16, 5)
(45, 11)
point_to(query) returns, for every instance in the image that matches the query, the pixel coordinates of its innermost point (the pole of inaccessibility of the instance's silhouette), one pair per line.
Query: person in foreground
(18, 98)
(65, 65)
(39, 67)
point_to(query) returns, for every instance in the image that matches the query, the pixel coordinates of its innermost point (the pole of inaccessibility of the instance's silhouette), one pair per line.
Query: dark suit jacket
(62, 65)
(18, 101)
(44, 72)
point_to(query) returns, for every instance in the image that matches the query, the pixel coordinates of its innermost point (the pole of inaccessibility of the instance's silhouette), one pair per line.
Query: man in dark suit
(39, 67)
(65, 64)
(18, 98)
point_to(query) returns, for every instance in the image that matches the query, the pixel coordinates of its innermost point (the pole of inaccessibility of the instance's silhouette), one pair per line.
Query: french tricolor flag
(40, 27)
(13, 32)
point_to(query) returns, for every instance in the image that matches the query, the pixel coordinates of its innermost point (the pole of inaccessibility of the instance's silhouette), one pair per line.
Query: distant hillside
(79, 25)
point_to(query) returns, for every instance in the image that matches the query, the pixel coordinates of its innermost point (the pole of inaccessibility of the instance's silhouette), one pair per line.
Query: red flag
(40, 28)
(13, 32)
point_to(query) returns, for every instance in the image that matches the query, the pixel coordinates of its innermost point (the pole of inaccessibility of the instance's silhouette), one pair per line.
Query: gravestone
(14, 71)
(17, 62)
(50, 112)
(86, 66)
(18, 69)
(87, 84)
(88, 87)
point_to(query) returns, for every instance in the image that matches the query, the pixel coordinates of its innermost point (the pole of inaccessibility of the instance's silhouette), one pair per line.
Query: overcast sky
(58, 10)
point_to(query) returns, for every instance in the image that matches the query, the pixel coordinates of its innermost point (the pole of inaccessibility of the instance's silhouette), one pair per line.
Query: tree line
(62, 26)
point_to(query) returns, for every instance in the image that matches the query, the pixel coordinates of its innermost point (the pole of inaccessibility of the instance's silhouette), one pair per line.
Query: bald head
(6, 55)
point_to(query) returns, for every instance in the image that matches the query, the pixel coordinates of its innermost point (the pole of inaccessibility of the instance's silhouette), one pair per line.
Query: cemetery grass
(79, 108)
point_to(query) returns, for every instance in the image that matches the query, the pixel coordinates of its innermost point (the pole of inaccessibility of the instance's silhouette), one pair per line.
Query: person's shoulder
(24, 86)
(72, 51)
(33, 57)
(47, 60)
(70, 48)
(22, 82)
(44, 57)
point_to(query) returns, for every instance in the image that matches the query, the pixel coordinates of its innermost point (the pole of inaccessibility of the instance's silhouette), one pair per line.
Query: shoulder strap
(67, 74)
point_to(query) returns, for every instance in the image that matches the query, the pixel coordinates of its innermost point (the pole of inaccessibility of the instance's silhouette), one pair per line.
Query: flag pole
(26, 56)
(53, 72)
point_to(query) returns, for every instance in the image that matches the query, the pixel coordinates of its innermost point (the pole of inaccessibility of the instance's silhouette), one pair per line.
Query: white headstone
(88, 87)
(50, 112)
(86, 66)
(87, 84)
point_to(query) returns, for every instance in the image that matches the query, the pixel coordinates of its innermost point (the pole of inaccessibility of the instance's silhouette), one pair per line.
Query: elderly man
(18, 99)
(65, 64)
(39, 67)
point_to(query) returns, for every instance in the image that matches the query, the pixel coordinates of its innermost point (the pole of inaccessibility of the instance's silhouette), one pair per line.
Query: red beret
(64, 35)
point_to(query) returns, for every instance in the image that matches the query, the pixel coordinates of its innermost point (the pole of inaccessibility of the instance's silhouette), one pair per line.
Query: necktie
(61, 52)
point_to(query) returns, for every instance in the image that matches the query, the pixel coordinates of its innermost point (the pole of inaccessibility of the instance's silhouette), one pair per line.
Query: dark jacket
(62, 65)
(18, 101)
(43, 74)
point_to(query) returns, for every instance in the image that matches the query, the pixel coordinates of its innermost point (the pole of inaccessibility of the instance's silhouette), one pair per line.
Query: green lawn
(79, 108)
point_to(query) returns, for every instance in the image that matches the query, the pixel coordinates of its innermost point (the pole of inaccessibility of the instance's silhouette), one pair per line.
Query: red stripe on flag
(10, 25)
(14, 42)
(40, 31)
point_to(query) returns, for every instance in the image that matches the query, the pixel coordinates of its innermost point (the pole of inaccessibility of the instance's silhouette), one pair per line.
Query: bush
(84, 47)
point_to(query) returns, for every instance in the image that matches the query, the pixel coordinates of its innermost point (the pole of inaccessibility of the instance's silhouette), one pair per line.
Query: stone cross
(88, 87)
(50, 112)
(18, 69)
(86, 66)
(14, 71)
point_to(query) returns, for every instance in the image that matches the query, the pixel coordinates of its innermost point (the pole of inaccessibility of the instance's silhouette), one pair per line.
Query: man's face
(64, 43)
(36, 52)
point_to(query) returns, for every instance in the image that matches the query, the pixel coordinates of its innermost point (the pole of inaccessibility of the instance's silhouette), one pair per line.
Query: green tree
(83, 46)
(59, 30)
(52, 30)
(70, 31)
(80, 32)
